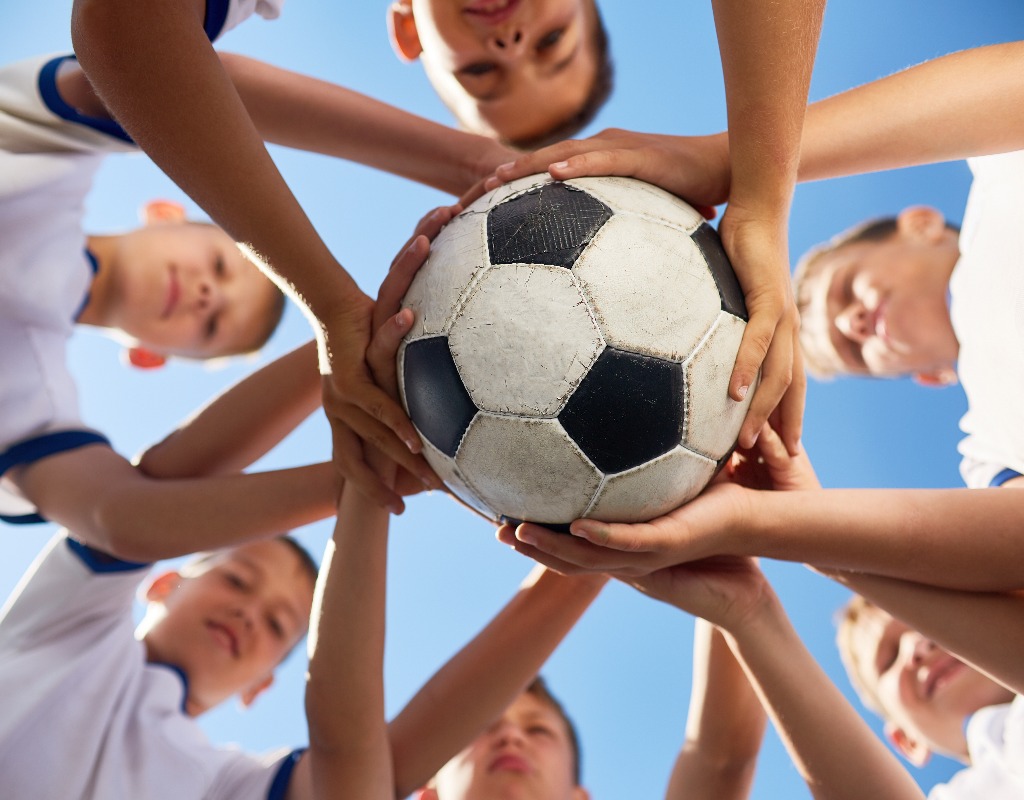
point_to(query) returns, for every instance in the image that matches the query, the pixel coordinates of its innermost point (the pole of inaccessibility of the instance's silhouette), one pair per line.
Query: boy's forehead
(817, 316)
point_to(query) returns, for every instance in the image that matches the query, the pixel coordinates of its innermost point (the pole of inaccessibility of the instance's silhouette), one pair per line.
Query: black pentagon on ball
(438, 402)
(550, 224)
(626, 411)
(710, 245)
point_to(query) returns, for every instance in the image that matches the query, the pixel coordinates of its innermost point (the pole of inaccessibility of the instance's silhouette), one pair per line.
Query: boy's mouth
(224, 636)
(509, 762)
(490, 12)
(173, 294)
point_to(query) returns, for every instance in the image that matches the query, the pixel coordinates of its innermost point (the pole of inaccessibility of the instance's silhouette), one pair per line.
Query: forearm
(349, 753)
(724, 727)
(309, 114)
(243, 423)
(985, 629)
(153, 67)
(835, 752)
(975, 97)
(954, 538)
(768, 54)
(485, 676)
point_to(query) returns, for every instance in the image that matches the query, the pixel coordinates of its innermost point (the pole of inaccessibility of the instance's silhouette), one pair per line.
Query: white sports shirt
(49, 154)
(987, 309)
(85, 717)
(995, 741)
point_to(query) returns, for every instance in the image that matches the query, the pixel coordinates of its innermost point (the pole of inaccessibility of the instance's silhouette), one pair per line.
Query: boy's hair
(275, 310)
(539, 689)
(306, 560)
(599, 93)
(849, 619)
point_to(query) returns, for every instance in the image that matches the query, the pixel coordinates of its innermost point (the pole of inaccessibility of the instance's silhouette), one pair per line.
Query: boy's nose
(922, 647)
(509, 42)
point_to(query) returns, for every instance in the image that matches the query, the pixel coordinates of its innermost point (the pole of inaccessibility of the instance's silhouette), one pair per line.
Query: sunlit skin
(926, 693)
(524, 755)
(179, 289)
(882, 304)
(506, 68)
(229, 621)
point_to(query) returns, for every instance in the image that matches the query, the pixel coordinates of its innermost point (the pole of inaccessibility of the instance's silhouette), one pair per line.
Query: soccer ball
(571, 352)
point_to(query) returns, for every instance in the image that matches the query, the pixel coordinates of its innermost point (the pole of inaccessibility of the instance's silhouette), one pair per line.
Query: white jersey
(995, 742)
(84, 716)
(49, 154)
(987, 310)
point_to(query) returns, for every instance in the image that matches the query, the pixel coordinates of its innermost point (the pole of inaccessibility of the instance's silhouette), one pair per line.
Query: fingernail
(525, 536)
(505, 167)
(559, 165)
(413, 445)
(742, 391)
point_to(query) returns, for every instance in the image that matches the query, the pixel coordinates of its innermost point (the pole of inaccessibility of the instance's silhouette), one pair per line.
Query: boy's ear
(579, 793)
(426, 793)
(248, 696)
(912, 749)
(156, 211)
(162, 585)
(141, 358)
(921, 221)
(405, 39)
(937, 378)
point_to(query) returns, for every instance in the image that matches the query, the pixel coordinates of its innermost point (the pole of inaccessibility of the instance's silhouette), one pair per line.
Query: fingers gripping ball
(571, 352)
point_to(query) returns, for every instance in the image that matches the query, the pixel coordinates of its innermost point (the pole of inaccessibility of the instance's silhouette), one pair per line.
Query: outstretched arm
(724, 726)
(483, 678)
(155, 70)
(835, 751)
(768, 53)
(349, 754)
(967, 539)
(241, 424)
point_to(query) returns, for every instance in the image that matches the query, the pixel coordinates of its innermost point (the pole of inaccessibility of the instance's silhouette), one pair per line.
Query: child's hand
(768, 465)
(727, 591)
(758, 249)
(695, 168)
(694, 531)
(391, 322)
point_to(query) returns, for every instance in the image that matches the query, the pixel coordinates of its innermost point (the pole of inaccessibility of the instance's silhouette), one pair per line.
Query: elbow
(117, 534)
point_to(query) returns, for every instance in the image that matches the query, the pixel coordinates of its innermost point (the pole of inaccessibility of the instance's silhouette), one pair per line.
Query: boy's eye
(234, 580)
(276, 627)
(551, 39)
(218, 265)
(541, 730)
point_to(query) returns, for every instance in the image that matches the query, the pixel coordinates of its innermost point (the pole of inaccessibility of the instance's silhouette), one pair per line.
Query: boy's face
(506, 68)
(228, 621)
(526, 755)
(925, 692)
(186, 289)
(879, 308)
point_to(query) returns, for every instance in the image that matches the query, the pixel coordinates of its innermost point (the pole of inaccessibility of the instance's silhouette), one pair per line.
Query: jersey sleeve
(72, 593)
(248, 777)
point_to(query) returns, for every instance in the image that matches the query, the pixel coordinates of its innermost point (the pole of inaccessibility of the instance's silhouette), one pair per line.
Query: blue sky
(625, 671)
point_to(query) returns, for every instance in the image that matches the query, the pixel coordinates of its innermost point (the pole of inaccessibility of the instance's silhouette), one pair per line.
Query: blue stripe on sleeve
(279, 786)
(216, 16)
(54, 102)
(98, 561)
(32, 450)
(1004, 476)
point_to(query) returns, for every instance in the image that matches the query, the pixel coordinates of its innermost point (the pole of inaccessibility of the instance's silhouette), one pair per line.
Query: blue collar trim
(1004, 476)
(54, 102)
